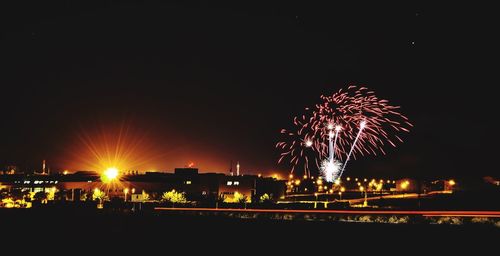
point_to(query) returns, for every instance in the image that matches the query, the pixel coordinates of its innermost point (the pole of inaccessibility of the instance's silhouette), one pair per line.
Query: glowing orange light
(110, 174)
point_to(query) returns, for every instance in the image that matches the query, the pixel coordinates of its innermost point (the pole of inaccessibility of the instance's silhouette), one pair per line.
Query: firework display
(351, 122)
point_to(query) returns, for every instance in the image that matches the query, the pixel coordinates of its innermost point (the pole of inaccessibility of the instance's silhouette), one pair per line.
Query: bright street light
(110, 174)
(126, 192)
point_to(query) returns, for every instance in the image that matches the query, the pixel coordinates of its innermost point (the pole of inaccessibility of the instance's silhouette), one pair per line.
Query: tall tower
(43, 166)
(237, 168)
(231, 169)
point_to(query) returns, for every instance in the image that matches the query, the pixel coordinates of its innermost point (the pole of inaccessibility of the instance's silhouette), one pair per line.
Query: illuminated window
(229, 183)
(188, 182)
(236, 183)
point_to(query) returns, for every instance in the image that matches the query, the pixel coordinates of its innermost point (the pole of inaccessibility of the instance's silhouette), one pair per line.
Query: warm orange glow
(122, 147)
(451, 182)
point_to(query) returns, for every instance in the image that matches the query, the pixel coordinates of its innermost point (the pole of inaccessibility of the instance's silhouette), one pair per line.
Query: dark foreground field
(86, 231)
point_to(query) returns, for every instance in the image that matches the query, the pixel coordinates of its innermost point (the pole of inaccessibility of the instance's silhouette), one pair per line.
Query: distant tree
(237, 198)
(241, 198)
(145, 196)
(265, 198)
(99, 195)
(174, 197)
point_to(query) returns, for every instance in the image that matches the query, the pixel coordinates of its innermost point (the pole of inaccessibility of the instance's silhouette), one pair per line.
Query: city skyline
(152, 127)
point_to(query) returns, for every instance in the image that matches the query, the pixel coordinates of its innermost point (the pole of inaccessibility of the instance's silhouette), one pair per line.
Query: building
(230, 187)
(197, 186)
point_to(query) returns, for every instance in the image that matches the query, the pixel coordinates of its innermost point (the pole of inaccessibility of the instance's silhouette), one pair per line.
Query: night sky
(211, 83)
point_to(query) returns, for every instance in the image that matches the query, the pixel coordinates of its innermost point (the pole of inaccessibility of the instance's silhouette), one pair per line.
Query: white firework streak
(361, 127)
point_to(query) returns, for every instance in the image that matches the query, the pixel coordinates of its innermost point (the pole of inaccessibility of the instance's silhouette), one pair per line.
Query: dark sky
(211, 83)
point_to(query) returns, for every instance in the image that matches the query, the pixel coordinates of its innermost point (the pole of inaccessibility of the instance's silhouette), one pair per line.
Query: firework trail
(361, 127)
(344, 110)
(337, 130)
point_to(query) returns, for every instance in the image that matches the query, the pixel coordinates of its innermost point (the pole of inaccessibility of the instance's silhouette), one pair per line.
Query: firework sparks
(349, 123)
(298, 145)
(330, 170)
